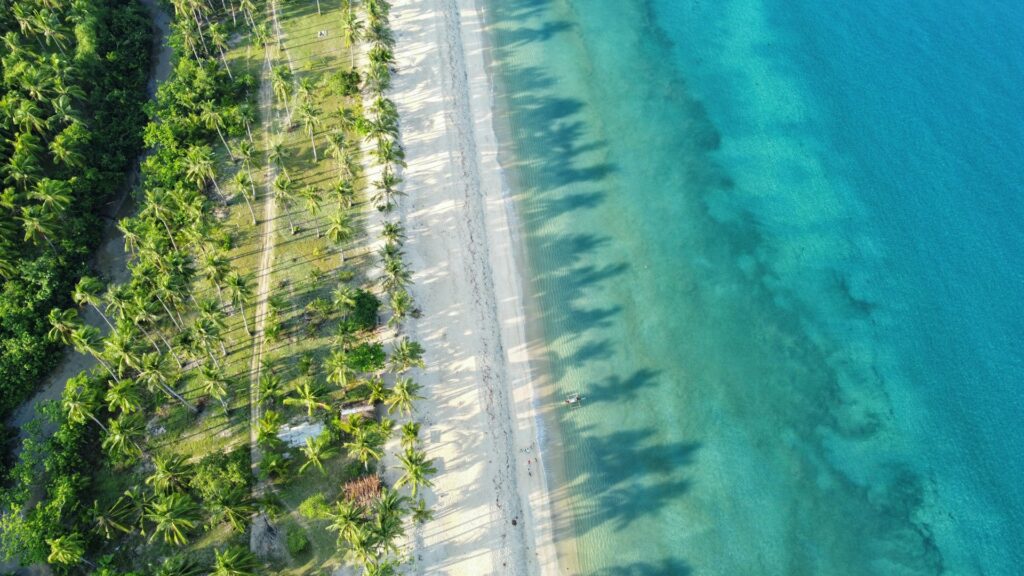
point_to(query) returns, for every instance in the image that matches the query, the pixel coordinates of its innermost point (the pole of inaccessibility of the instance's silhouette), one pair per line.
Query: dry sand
(480, 423)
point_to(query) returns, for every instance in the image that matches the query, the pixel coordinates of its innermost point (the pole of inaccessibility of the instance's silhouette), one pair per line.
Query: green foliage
(86, 142)
(364, 313)
(367, 357)
(297, 541)
(220, 474)
(345, 83)
(315, 507)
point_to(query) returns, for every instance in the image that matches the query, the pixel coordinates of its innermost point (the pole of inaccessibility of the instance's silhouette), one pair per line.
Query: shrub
(367, 357)
(364, 313)
(297, 541)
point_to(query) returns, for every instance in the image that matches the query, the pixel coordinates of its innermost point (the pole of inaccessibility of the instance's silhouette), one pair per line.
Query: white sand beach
(480, 425)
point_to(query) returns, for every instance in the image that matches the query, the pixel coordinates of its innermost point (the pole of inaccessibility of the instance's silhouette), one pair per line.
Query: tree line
(72, 89)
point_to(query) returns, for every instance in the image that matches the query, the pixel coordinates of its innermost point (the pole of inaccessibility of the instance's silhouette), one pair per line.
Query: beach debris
(574, 399)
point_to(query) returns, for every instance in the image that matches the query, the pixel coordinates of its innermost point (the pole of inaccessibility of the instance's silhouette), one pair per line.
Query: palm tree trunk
(170, 235)
(100, 424)
(313, 142)
(251, 211)
(245, 322)
(318, 13)
(226, 67)
(169, 314)
(221, 134)
(178, 397)
(102, 315)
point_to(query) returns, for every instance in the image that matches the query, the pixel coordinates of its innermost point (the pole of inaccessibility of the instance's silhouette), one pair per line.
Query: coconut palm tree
(410, 435)
(80, 401)
(416, 470)
(199, 168)
(86, 339)
(67, 550)
(363, 447)
(234, 561)
(180, 565)
(219, 39)
(314, 203)
(89, 291)
(123, 396)
(268, 427)
(337, 369)
(37, 225)
(215, 384)
(284, 191)
(309, 115)
(406, 354)
(53, 195)
(155, 375)
(352, 29)
(245, 186)
(346, 519)
(281, 82)
(401, 303)
(171, 473)
(211, 116)
(174, 515)
(121, 439)
(279, 154)
(316, 451)
(63, 324)
(403, 394)
(309, 397)
(339, 229)
(240, 291)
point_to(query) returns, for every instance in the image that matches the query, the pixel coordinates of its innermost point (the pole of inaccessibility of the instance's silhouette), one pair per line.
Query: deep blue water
(779, 245)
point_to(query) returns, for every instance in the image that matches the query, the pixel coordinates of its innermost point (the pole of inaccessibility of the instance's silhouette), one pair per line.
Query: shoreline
(485, 428)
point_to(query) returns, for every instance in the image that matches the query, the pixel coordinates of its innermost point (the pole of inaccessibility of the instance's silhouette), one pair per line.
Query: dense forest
(71, 114)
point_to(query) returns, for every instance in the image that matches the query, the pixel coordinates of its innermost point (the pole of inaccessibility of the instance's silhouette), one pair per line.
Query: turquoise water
(779, 246)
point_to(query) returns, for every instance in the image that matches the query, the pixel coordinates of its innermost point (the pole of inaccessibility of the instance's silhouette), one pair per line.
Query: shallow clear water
(779, 247)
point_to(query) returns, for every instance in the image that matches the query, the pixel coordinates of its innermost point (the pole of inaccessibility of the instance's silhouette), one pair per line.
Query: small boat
(574, 399)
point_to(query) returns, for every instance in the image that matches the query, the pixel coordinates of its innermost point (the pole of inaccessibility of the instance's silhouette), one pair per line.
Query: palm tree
(108, 521)
(174, 515)
(154, 374)
(281, 81)
(37, 224)
(316, 451)
(311, 196)
(402, 396)
(410, 435)
(235, 508)
(199, 168)
(308, 396)
(67, 550)
(278, 154)
(309, 115)
(240, 291)
(284, 191)
(122, 436)
(210, 116)
(86, 339)
(170, 473)
(406, 355)
(337, 369)
(63, 324)
(363, 447)
(352, 28)
(421, 513)
(53, 195)
(401, 306)
(219, 39)
(179, 565)
(80, 401)
(235, 561)
(123, 396)
(416, 470)
(88, 291)
(215, 384)
(339, 230)
(346, 519)
(270, 387)
(268, 427)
